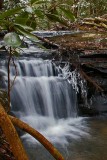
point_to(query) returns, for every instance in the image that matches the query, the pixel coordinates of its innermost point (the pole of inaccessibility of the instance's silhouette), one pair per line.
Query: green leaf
(26, 33)
(24, 26)
(26, 21)
(68, 13)
(55, 18)
(33, 1)
(12, 39)
(11, 12)
(22, 18)
(31, 23)
(15, 53)
(39, 13)
(23, 14)
(39, 2)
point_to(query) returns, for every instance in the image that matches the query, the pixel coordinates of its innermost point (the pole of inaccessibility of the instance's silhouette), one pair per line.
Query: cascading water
(38, 92)
(45, 101)
(42, 97)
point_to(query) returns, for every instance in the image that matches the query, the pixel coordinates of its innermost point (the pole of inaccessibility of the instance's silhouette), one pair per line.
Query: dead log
(98, 19)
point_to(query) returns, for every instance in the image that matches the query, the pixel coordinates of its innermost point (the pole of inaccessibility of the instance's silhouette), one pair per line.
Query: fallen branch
(53, 44)
(12, 136)
(99, 19)
(92, 24)
(25, 127)
(47, 41)
(90, 80)
(103, 25)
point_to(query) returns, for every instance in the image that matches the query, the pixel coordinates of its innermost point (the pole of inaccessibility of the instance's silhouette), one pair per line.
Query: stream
(43, 98)
(92, 147)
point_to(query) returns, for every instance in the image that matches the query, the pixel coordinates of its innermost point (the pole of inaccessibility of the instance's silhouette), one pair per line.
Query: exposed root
(25, 127)
(12, 136)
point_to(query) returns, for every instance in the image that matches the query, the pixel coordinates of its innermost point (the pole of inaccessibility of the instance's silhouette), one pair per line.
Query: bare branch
(9, 60)
(90, 80)
(16, 73)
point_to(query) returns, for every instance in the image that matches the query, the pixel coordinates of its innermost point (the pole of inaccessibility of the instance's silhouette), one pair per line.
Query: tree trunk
(22, 125)
(12, 136)
(1, 4)
(76, 8)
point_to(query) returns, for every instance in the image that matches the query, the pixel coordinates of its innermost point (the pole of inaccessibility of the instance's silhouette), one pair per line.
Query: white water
(46, 102)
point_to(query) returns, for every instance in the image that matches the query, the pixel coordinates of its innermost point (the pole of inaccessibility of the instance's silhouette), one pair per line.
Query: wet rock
(99, 103)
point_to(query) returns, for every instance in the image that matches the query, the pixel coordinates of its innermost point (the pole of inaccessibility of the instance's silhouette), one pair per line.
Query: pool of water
(93, 146)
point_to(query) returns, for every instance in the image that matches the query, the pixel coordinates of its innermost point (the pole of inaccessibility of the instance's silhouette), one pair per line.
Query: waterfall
(45, 101)
(38, 91)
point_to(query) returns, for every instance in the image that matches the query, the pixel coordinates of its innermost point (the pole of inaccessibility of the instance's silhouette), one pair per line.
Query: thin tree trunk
(76, 8)
(12, 136)
(1, 4)
(9, 59)
(22, 125)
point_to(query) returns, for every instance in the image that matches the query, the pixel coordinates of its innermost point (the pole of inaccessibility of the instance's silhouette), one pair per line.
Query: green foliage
(39, 13)
(23, 17)
(26, 16)
(89, 8)
(10, 12)
(55, 18)
(68, 14)
(12, 39)
(25, 33)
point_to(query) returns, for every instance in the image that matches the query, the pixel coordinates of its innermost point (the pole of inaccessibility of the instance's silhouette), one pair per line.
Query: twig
(9, 59)
(15, 73)
(90, 80)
